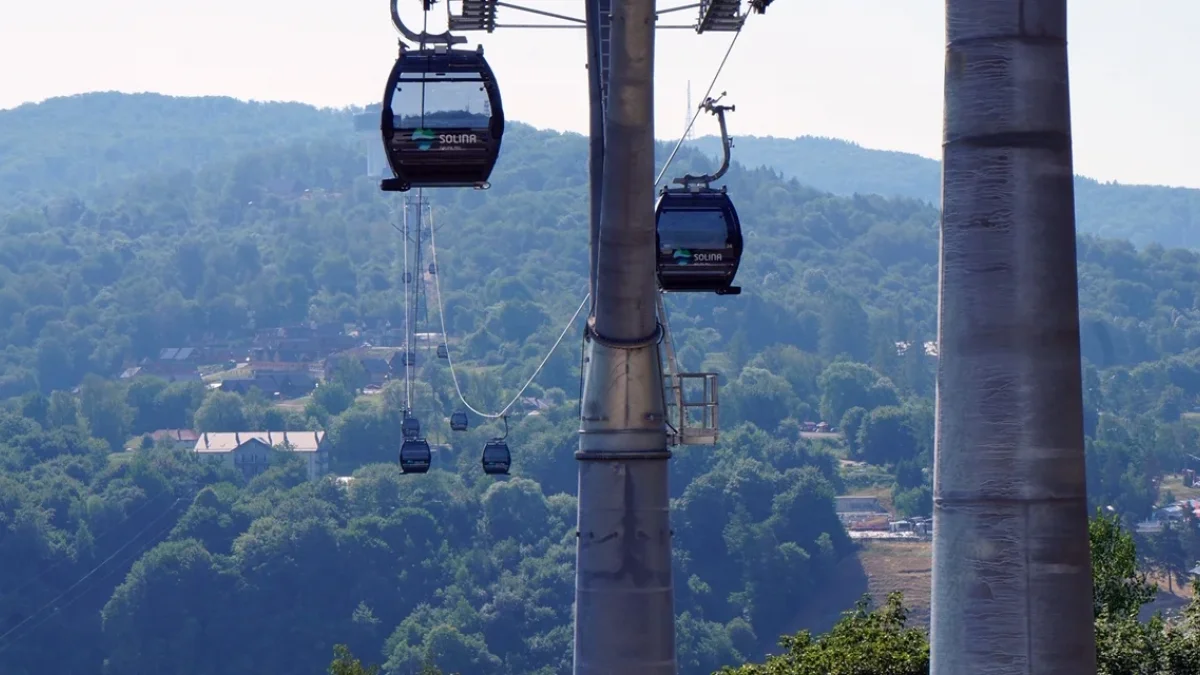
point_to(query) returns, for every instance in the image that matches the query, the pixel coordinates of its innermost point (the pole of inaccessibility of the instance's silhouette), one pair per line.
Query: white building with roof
(250, 451)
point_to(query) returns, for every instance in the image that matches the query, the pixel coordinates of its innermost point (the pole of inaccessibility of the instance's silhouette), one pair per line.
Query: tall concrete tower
(1012, 584)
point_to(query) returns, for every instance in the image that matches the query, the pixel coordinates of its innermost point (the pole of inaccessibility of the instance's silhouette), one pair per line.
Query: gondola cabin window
(442, 121)
(457, 101)
(693, 229)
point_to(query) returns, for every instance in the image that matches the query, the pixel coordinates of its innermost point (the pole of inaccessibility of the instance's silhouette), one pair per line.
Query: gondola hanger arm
(712, 105)
(422, 38)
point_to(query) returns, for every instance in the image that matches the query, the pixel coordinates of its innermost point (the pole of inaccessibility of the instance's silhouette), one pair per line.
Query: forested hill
(42, 154)
(145, 560)
(1142, 214)
(91, 142)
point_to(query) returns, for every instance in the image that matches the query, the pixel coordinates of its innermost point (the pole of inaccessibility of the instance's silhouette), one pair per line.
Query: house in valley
(250, 451)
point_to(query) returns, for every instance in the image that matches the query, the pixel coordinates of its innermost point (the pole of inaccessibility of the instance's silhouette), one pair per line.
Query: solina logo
(423, 138)
(682, 256)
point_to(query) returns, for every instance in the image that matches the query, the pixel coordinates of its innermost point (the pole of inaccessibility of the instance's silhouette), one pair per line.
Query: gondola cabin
(442, 120)
(415, 456)
(442, 352)
(458, 421)
(496, 458)
(699, 241)
(432, 269)
(410, 358)
(410, 427)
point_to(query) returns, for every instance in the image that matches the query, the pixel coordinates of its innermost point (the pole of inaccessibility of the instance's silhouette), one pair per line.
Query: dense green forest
(198, 221)
(1143, 214)
(875, 639)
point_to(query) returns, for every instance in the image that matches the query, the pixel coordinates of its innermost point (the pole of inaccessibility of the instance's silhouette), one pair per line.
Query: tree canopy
(202, 222)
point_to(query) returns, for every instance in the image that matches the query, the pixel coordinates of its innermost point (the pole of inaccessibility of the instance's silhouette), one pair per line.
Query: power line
(146, 504)
(127, 560)
(85, 577)
(437, 286)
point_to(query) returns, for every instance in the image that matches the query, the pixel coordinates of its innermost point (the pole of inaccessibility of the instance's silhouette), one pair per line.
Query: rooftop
(298, 441)
(175, 435)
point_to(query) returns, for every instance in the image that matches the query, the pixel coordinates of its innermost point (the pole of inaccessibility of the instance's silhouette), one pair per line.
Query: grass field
(119, 458)
(1174, 483)
(821, 435)
(235, 373)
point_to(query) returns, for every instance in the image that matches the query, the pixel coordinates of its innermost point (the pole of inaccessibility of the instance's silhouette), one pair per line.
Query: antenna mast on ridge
(688, 133)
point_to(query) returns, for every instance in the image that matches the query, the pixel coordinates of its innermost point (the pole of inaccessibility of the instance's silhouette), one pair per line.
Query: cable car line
(458, 147)
(415, 454)
(437, 286)
(408, 403)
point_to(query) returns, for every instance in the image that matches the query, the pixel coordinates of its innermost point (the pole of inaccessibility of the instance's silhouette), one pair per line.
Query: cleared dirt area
(878, 568)
(907, 566)
(903, 566)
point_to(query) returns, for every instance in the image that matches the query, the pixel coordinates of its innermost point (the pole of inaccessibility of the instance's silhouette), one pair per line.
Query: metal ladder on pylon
(605, 7)
(691, 422)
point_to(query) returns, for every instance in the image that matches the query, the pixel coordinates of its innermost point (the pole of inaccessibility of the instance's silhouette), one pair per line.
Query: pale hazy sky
(865, 70)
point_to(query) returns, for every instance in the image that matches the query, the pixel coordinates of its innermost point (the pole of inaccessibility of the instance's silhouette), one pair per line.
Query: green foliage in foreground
(344, 663)
(878, 642)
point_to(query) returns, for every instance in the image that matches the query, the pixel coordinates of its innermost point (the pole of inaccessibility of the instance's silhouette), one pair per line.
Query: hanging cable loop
(437, 286)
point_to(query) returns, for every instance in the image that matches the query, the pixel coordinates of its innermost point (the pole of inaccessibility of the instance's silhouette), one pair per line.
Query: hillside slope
(473, 572)
(128, 134)
(90, 142)
(1143, 214)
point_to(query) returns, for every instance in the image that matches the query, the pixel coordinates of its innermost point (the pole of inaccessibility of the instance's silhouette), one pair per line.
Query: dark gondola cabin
(443, 353)
(458, 421)
(410, 427)
(699, 241)
(432, 269)
(496, 458)
(442, 120)
(410, 358)
(415, 456)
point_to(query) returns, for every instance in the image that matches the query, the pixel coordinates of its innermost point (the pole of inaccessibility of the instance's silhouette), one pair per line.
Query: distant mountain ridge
(89, 143)
(1143, 214)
